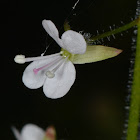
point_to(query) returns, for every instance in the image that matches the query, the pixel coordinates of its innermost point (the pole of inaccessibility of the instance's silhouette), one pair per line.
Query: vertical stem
(135, 96)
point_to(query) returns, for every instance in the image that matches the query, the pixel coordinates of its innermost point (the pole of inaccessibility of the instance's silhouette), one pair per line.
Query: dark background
(94, 107)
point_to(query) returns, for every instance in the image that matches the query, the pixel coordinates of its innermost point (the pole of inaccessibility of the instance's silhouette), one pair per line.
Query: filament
(36, 70)
(51, 74)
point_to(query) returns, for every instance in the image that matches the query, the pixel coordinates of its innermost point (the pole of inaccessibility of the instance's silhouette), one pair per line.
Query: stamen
(20, 59)
(47, 65)
(51, 74)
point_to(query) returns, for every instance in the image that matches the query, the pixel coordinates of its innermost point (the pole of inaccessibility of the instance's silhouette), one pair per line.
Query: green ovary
(65, 54)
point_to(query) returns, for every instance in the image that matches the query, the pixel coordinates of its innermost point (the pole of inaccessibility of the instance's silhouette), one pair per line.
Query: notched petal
(64, 78)
(95, 53)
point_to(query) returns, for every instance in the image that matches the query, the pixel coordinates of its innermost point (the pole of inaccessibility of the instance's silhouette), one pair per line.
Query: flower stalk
(109, 33)
(115, 31)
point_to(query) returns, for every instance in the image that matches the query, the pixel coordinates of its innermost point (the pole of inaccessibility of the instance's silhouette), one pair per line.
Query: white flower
(33, 132)
(56, 73)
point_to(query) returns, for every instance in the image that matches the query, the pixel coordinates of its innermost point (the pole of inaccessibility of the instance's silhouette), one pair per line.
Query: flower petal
(32, 132)
(32, 80)
(73, 42)
(95, 53)
(16, 133)
(64, 78)
(51, 29)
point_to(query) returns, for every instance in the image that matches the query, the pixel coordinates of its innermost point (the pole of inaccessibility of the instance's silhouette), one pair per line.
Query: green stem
(109, 33)
(135, 96)
(115, 31)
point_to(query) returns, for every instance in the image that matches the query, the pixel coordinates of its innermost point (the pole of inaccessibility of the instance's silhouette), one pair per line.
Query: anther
(51, 74)
(20, 59)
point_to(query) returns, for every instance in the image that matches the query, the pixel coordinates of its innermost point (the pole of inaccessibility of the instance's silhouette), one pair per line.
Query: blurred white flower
(33, 132)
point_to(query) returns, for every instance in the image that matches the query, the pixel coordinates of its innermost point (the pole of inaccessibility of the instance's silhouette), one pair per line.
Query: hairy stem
(115, 31)
(109, 33)
(135, 96)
